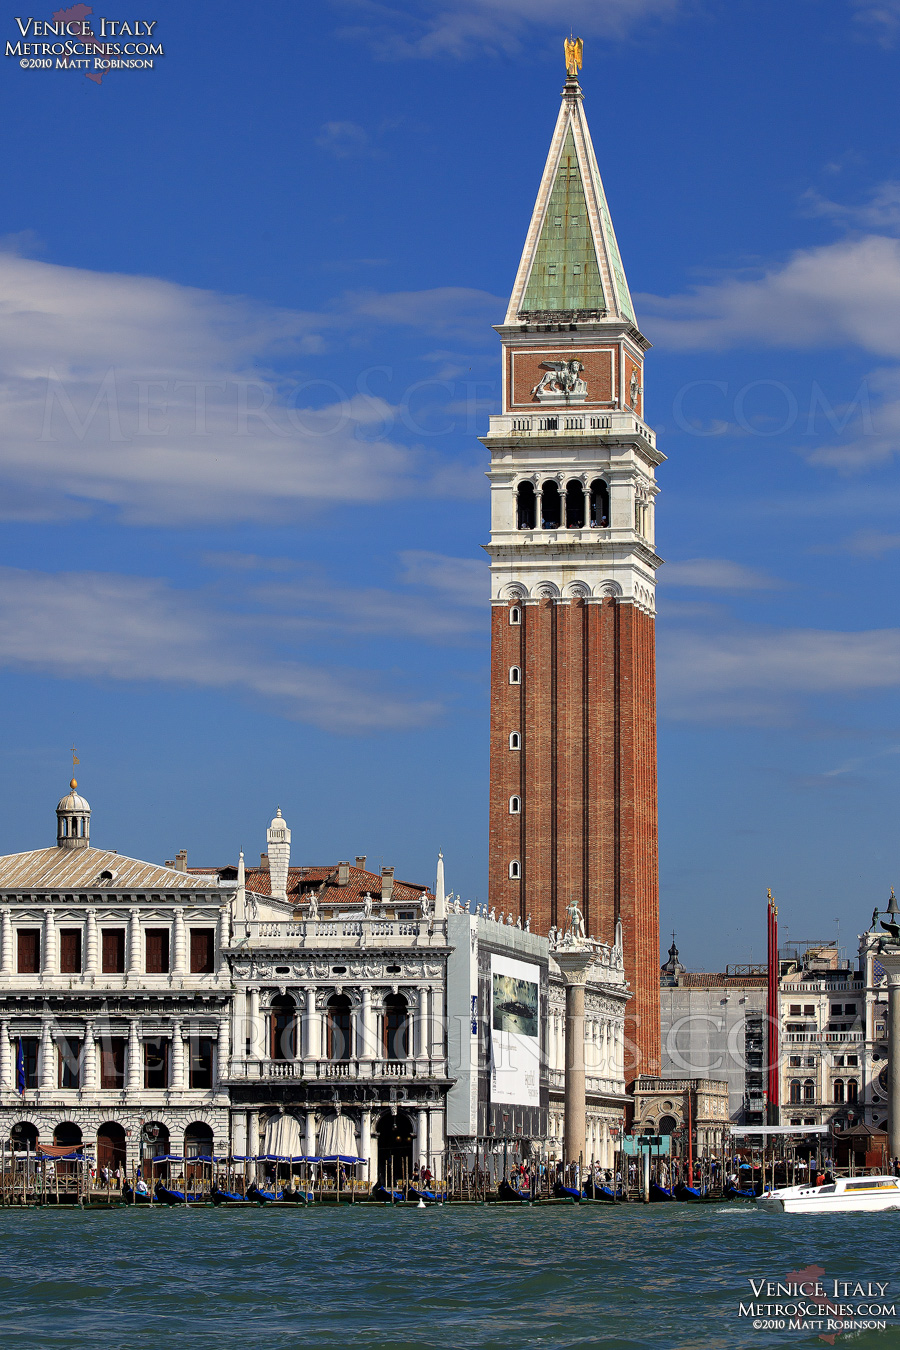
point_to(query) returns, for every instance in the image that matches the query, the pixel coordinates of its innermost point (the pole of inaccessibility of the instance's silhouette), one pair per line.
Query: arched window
(515, 614)
(809, 1091)
(339, 1027)
(667, 1125)
(852, 1090)
(599, 504)
(515, 675)
(514, 871)
(283, 1028)
(515, 805)
(198, 1140)
(574, 505)
(396, 1027)
(795, 1090)
(525, 506)
(551, 506)
(838, 1090)
(515, 741)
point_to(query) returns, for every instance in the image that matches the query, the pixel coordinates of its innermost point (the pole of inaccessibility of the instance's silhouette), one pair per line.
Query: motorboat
(843, 1195)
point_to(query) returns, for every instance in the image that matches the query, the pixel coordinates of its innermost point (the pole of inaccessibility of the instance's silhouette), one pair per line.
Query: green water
(368, 1276)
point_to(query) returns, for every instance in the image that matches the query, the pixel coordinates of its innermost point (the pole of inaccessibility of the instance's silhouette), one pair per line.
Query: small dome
(278, 821)
(73, 802)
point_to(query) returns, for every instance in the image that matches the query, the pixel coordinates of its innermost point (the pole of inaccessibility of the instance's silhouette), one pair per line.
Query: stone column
(6, 942)
(179, 1079)
(252, 1138)
(223, 1049)
(89, 1076)
(365, 1036)
(179, 944)
(309, 1143)
(48, 1058)
(239, 1133)
(365, 1145)
(223, 936)
(50, 963)
(6, 1073)
(421, 1050)
(436, 1025)
(134, 1076)
(133, 964)
(436, 1136)
(253, 1024)
(890, 959)
(316, 1027)
(422, 1138)
(574, 963)
(91, 957)
(307, 1013)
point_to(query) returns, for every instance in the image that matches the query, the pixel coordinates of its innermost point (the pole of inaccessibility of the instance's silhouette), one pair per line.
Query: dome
(73, 802)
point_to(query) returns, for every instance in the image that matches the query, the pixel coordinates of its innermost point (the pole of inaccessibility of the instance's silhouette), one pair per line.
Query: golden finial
(573, 48)
(73, 783)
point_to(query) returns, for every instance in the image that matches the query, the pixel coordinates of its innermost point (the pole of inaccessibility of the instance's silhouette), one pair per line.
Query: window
(795, 1062)
(339, 1027)
(113, 951)
(201, 1062)
(515, 675)
(837, 1009)
(852, 1090)
(396, 1027)
(156, 1062)
(514, 871)
(838, 1090)
(515, 806)
(156, 952)
(849, 1009)
(809, 1010)
(283, 1028)
(810, 1064)
(574, 505)
(70, 951)
(809, 1091)
(29, 953)
(69, 1073)
(202, 951)
(112, 1062)
(795, 1010)
(853, 1061)
(551, 506)
(599, 504)
(838, 1061)
(795, 1090)
(30, 1048)
(525, 506)
(515, 615)
(515, 741)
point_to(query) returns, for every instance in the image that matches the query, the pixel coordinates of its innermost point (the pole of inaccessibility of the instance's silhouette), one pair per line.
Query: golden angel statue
(573, 47)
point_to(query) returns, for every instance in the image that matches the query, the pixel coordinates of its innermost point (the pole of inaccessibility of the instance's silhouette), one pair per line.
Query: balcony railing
(561, 422)
(309, 1069)
(300, 932)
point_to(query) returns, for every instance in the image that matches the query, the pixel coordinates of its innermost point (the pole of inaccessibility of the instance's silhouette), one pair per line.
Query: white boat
(845, 1195)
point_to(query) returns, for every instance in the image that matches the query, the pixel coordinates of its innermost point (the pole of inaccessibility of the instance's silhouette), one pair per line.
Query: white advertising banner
(515, 1032)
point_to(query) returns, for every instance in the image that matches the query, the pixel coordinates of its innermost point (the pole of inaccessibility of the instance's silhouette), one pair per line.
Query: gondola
(260, 1196)
(415, 1193)
(133, 1197)
(220, 1197)
(296, 1195)
(594, 1191)
(688, 1193)
(732, 1192)
(380, 1192)
(507, 1192)
(566, 1192)
(659, 1193)
(166, 1196)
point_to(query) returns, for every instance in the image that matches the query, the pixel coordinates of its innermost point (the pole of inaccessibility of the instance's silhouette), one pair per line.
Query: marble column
(422, 1138)
(366, 1036)
(309, 1143)
(223, 937)
(48, 1073)
(307, 1013)
(6, 942)
(133, 965)
(365, 1145)
(253, 1024)
(223, 1050)
(890, 959)
(436, 1024)
(134, 1076)
(179, 944)
(50, 963)
(239, 1133)
(436, 1137)
(421, 1023)
(6, 1061)
(316, 1026)
(90, 1077)
(179, 1077)
(574, 962)
(91, 955)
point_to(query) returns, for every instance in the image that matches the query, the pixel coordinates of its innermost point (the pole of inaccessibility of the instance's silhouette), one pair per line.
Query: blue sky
(246, 352)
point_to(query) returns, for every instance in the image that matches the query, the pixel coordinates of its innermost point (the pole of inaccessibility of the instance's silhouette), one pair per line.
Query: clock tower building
(573, 809)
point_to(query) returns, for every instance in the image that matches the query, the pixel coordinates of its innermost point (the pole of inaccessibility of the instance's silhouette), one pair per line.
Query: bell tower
(573, 810)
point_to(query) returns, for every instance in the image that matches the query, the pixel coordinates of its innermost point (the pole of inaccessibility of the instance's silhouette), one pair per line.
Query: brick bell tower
(573, 813)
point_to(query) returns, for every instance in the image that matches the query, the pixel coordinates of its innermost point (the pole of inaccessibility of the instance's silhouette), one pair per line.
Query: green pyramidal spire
(571, 263)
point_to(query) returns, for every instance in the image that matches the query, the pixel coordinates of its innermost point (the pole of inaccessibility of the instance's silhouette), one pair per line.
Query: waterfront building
(114, 1000)
(713, 1024)
(573, 796)
(670, 1106)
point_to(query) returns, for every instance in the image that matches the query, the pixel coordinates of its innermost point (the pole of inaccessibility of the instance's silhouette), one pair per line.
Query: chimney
(343, 873)
(181, 860)
(361, 861)
(278, 839)
(264, 862)
(387, 884)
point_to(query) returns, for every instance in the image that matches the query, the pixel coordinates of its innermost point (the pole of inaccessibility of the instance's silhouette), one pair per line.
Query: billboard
(515, 1032)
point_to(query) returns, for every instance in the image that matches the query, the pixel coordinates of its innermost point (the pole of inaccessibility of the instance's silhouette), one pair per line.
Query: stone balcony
(310, 934)
(567, 422)
(312, 1070)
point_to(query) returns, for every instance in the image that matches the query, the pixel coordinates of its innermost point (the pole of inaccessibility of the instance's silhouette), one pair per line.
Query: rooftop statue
(573, 49)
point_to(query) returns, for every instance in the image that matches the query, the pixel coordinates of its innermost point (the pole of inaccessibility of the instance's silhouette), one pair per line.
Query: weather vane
(75, 759)
(573, 47)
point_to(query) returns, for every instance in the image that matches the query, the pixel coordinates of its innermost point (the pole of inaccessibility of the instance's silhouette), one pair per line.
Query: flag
(20, 1069)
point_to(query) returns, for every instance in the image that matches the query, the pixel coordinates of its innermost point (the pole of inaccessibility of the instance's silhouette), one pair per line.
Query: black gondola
(595, 1191)
(133, 1197)
(566, 1192)
(380, 1192)
(418, 1193)
(505, 1191)
(688, 1193)
(732, 1192)
(166, 1196)
(220, 1197)
(261, 1197)
(659, 1193)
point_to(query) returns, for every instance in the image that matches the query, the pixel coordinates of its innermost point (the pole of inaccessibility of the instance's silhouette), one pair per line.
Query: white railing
(336, 1068)
(301, 931)
(550, 423)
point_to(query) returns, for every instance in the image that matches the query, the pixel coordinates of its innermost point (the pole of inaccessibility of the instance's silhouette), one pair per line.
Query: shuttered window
(70, 951)
(157, 951)
(29, 953)
(112, 1062)
(113, 955)
(202, 949)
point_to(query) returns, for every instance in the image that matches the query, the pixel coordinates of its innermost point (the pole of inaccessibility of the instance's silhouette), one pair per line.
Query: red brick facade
(585, 776)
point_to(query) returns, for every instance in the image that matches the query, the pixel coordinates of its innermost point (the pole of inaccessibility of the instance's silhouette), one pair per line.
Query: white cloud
(881, 18)
(880, 213)
(847, 292)
(464, 581)
(344, 139)
(716, 574)
(92, 625)
(469, 28)
(155, 399)
(761, 675)
(870, 543)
